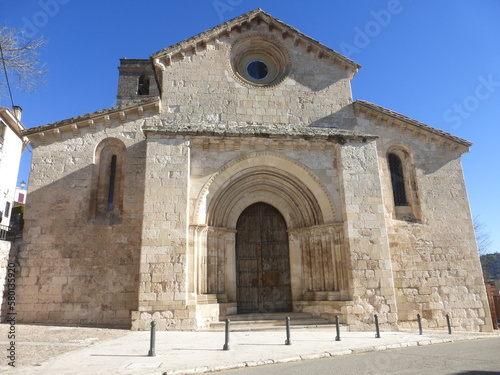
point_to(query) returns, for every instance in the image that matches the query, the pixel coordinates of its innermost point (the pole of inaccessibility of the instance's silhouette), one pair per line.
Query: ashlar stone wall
(317, 91)
(370, 265)
(7, 257)
(163, 272)
(76, 266)
(433, 251)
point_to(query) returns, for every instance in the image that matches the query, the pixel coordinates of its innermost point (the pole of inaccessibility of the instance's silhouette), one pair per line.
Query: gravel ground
(35, 344)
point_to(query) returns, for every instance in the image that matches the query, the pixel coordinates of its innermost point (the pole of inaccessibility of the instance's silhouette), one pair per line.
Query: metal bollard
(419, 319)
(288, 341)
(151, 352)
(337, 338)
(377, 335)
(226, 344)
(449, 323)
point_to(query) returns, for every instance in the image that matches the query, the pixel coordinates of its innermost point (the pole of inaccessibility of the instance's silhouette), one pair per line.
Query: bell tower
(136, 81)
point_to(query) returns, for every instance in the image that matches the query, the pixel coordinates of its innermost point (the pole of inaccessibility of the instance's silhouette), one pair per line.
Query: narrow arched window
(112, 180)
(398, 180)
(107, 178)
(143, 87)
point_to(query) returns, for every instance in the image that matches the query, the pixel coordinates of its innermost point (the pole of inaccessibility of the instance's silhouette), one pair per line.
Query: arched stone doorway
(314, 234)
(262, 261)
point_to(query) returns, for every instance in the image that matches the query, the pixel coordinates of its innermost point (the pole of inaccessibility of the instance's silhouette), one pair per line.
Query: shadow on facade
(71, 268)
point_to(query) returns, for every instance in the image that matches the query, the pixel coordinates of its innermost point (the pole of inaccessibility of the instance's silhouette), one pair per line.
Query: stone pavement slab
(198, 352)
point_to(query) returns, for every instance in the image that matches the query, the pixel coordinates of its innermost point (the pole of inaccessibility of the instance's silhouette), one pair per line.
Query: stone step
(275, 321)
(273, 325)
(268, 316)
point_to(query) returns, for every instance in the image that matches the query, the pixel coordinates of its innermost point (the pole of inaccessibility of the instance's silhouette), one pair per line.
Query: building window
(398, 180)
(2, 135)
(107, 179)
(257, 69)
(143, 87)
(7, 209)
(260, 61)
(112, 177)
(403, 183)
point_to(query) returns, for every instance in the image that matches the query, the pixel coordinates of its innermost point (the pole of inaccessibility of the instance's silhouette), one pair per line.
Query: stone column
(341, 263)
(230, 272)
(322, 260)
(198, 259)
(210, 260)
(163, 291)
(216, 260)
(371, 277)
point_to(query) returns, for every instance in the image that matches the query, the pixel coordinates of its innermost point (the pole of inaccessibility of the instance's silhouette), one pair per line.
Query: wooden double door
(262, 261)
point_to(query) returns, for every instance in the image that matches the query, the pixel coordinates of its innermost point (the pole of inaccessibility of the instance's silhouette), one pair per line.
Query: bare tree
(483, 238)
(20, 60)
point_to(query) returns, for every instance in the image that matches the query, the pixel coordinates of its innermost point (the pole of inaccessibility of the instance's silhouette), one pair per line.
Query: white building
(12, 145)
(20, 195)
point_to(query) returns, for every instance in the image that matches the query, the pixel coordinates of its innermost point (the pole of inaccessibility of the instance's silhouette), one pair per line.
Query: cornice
(90, 119)
(405, 124)
(270, 131)
(8, 117)
(164, 58)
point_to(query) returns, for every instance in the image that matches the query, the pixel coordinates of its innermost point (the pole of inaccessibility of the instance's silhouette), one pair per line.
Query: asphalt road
(463, 358)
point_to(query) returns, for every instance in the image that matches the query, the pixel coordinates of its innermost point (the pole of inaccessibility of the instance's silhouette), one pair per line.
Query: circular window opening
(257, 69)
(259, 60)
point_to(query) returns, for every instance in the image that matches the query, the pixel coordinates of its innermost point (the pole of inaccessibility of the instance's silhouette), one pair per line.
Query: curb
(370, 349)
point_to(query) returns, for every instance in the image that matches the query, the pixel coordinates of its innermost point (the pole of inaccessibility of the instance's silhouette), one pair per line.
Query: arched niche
(108, 179)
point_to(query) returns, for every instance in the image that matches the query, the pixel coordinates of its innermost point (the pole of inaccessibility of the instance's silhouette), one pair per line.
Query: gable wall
(435, 261)
(201, 88)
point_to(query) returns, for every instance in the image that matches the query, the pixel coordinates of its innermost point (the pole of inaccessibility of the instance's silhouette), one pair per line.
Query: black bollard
(288, 341)
(377, 335)
(449, 323)
(419, 319)
(337, 338)
(151, 352)
(226, 344)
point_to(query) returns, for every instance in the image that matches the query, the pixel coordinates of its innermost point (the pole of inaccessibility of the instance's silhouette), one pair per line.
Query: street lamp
(23, 184)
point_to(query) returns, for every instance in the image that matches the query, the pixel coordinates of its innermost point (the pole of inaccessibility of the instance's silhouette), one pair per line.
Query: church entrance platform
(305, 313)
(267, 321)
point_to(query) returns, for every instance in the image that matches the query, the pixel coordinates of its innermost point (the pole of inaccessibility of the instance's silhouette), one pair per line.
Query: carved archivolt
(303, 202)
(264, 177)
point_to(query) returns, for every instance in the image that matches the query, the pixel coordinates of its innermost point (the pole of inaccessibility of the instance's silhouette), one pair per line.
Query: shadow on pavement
(118, 355)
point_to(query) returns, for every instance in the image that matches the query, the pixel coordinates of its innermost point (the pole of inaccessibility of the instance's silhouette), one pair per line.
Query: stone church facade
(236, 175)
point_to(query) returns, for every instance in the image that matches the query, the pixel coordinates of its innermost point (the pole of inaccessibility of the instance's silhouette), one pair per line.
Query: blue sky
(437, 62)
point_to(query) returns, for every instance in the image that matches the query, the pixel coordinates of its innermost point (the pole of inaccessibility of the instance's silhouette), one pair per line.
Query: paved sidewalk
(105, 351)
